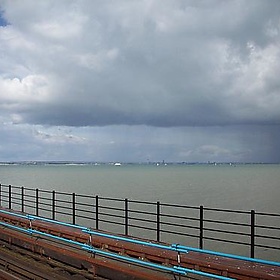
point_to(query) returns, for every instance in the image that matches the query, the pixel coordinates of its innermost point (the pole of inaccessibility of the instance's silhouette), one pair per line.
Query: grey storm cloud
(184, 63)
(191, 70)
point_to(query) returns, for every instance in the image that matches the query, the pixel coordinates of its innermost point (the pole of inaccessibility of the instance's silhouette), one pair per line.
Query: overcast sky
(140, 80)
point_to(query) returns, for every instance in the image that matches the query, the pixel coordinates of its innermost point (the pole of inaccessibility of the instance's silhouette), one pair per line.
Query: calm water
(243, 187)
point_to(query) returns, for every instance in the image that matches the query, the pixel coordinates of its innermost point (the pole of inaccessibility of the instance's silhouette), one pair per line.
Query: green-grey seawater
(244, 187)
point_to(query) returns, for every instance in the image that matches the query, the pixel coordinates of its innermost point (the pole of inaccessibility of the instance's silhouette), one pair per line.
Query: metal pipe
(252, 245)
(158, 221)
(97, 251)
(139, 242)
(205, 274)
(32, 217)
(136, 261)
(180, 247)
(126, 216)
(87, 230)
(10, 197)
(175, 269)
(201, 227)
(22, 199)
(173, 247)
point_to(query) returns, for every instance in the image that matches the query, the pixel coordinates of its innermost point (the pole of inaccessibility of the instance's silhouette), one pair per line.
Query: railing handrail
(163, 216)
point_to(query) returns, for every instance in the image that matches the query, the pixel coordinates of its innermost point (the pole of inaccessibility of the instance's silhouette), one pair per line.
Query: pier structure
(38, 247)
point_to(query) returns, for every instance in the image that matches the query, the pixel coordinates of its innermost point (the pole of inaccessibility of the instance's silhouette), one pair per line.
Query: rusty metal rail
(178, 270)
(161, 255)
(20, 264)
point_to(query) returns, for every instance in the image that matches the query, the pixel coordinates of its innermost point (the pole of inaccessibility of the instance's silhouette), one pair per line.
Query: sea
(231, 186)
(221, 186)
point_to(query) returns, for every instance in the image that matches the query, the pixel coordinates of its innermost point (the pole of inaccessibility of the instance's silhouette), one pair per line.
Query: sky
(140, 80)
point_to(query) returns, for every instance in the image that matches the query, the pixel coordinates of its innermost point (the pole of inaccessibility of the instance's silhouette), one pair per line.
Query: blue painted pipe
(136, 261)
(87, 230)
(14, 227)
(175, 269)
(174, 247)
(33, 217)
(145, 243)
(183, 248)
(202, 273)
(96, 251)
(57, 222)
(13, 214)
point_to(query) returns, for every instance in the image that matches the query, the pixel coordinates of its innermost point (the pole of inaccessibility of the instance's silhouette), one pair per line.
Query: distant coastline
(156, 163)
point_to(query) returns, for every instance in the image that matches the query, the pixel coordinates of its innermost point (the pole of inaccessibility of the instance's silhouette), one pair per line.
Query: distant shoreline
(157, 163)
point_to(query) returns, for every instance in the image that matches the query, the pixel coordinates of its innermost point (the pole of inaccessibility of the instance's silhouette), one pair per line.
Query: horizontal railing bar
(111, 215)
(267, 237)
(177, 225)
(226, 223)
(267, 247)
(64, 201)
(226, 231)
(267, 227)
(142, 202)
(16, 203)
(86, 217)
(45, 198)
(28, 200)
(85, 211)
(63, 207)
(179, 217)
(45, 191)
(111, 208)
(29, 205)
(180, 206)
(141, 220)
(63, 193)
(29, 189)
(142, 212)
(84, 204)
(267, 214)
(226, 240)
(46, 204)
(85, 196)
(44, 209)
(110, 199)
(226, 210)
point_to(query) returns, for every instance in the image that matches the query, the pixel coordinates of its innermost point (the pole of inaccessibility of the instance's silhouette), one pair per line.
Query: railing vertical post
(252, 253)
(0, 195)
(73, 208)
(96, 212)
(37, 202)
(22, 199)
(10, 197)
(126, 216)
(53, 205)
(201, 227)
(158, 221)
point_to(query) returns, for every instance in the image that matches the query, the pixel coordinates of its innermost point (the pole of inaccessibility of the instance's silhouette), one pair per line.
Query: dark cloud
(181, 64)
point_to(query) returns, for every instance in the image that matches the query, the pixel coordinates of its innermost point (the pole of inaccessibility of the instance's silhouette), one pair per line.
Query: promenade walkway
(34, 247)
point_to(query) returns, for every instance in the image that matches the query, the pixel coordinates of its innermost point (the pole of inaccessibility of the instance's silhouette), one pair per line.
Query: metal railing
(248, 233)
